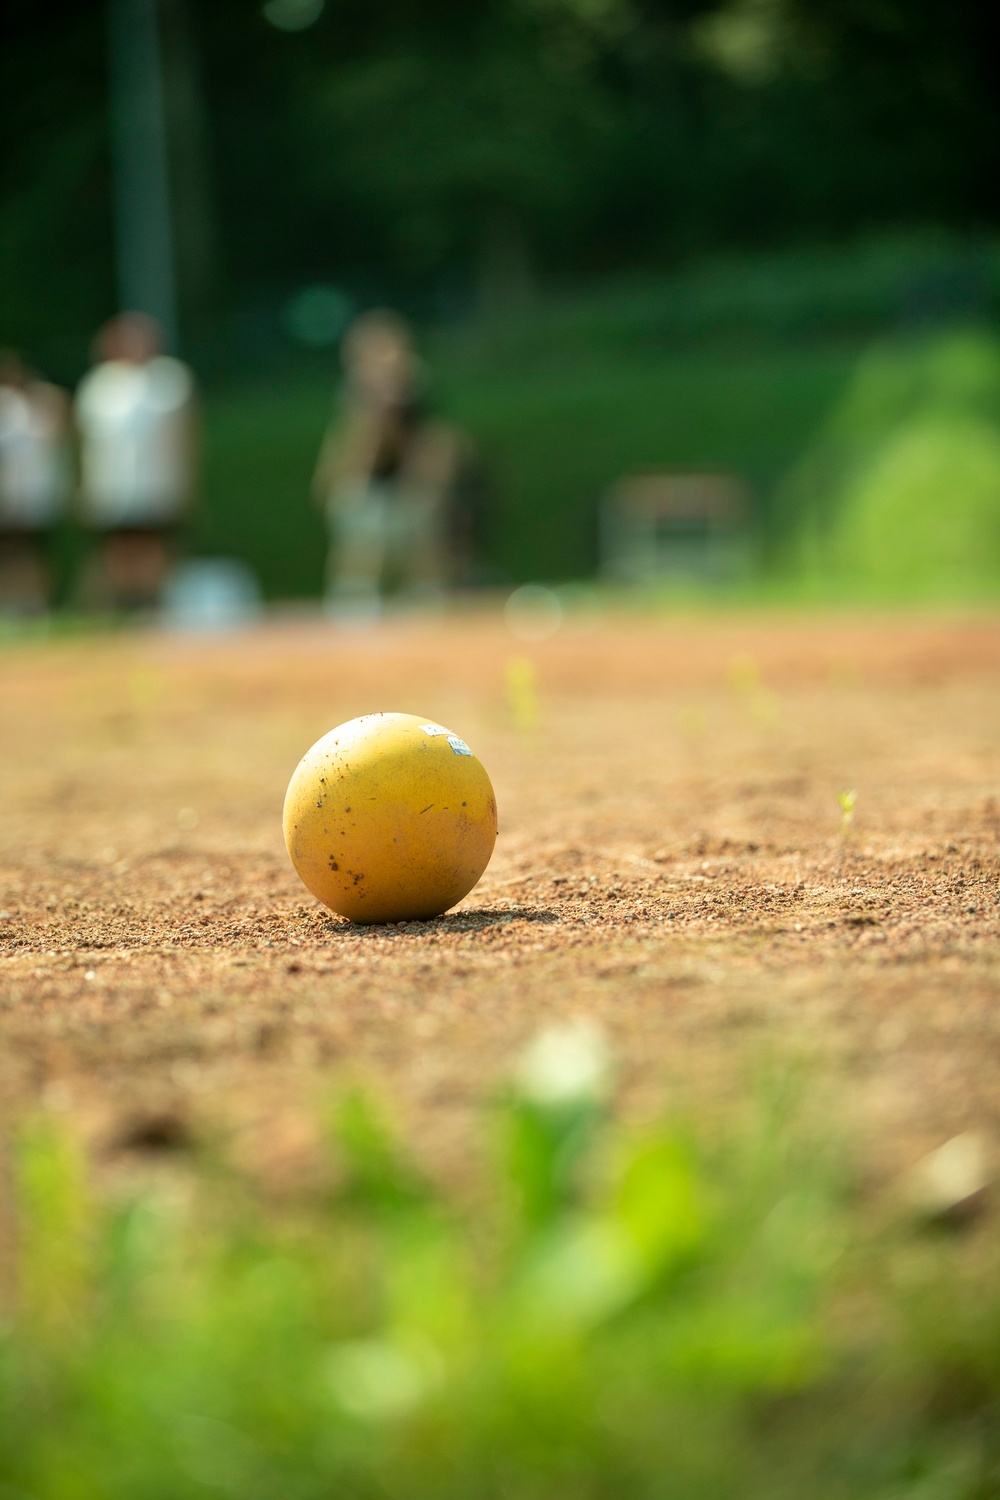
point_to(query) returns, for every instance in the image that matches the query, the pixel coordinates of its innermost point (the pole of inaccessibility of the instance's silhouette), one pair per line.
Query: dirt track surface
(671, 862)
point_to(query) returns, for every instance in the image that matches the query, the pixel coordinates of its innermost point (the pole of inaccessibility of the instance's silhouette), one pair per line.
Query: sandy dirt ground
(671, 862)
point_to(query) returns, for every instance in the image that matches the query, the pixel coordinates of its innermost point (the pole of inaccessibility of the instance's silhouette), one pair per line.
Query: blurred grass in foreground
(661, 1312)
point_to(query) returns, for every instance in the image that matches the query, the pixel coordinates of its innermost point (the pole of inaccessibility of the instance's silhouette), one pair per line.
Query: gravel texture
(672, 861)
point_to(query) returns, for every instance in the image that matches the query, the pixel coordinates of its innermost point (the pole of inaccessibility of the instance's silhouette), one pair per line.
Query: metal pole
(143, 231)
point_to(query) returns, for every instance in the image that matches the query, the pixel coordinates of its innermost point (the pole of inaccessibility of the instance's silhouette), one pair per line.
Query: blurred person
(34, 483)
(388, 476)
(135, 417)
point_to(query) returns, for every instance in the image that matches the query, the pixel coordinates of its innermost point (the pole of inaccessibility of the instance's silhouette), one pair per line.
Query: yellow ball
(390, 817)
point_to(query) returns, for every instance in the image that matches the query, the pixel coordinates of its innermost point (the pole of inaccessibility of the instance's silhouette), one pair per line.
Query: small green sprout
(846, 801)
(743, 674)
(693, 721)
(522, 693)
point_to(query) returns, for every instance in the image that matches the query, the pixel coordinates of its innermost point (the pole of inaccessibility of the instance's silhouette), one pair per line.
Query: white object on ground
(568, 1064)
(211, 594)
(951, 1180)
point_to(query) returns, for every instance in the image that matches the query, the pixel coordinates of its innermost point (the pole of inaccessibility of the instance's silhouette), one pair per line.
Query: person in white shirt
(35, 477)
(135, 418)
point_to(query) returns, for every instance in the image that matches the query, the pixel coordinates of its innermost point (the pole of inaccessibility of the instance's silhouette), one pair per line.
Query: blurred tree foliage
(898, 495)
(444, 154)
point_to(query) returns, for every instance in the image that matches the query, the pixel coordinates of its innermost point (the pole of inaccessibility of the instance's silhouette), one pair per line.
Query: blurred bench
(676, 524)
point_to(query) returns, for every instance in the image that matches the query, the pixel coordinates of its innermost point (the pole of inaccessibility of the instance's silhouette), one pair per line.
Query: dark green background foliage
(735, 363)
(606, 216)
(417, 148)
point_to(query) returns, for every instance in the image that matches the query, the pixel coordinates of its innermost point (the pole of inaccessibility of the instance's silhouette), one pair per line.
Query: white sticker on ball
(458, 747)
